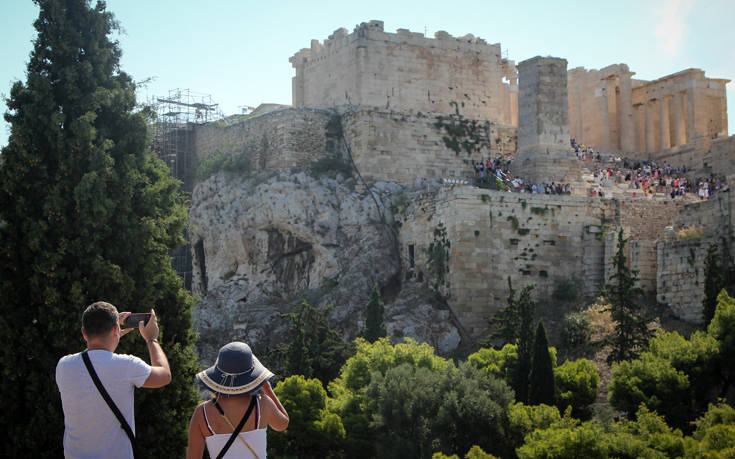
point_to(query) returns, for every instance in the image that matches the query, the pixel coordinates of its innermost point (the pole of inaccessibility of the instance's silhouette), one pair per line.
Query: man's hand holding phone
(146, 322)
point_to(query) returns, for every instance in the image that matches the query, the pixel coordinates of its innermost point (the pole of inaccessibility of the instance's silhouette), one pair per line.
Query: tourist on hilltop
(233, 423)
(98, 400)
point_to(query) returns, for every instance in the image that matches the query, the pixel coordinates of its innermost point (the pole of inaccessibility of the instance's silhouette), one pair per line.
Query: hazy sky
(237, 50)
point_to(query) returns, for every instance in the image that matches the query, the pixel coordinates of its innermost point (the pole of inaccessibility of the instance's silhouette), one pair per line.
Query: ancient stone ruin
(369, 178)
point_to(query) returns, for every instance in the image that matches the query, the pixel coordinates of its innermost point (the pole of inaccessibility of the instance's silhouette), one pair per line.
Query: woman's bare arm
(278, 418)
(195, 449)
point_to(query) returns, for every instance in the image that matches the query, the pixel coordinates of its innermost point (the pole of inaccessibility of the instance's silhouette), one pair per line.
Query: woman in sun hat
(233, 424)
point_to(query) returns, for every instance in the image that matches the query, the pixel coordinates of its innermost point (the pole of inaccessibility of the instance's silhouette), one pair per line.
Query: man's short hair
(99, 318)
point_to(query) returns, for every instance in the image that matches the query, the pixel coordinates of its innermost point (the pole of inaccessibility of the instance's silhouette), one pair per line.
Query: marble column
(602, 140)
(650, 137)
(514, 101)
(689, 107)
(612, 110)
(665, 126)
(625, 111)
(678, 120)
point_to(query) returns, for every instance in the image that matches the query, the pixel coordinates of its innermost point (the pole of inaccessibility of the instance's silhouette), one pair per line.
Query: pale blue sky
(238, 51)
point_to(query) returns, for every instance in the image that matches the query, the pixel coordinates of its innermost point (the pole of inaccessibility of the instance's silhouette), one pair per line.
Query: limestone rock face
(262, 245)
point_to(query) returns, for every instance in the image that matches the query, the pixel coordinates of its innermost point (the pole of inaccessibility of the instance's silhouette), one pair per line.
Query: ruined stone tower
(543, 152)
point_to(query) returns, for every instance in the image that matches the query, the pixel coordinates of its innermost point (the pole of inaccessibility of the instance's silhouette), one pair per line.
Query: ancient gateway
(411, 115)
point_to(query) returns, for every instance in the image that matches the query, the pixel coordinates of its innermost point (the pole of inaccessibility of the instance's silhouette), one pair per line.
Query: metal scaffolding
(173, 142)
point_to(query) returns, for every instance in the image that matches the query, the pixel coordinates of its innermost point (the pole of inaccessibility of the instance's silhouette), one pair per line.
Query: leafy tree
(631, 329)
(315, 349)
(474, 453)
(524, 419)
(500, 363)
(722, 328)
(713, 283)
(576, 331)
(416, 402)
(541, 378)
(506, 322)
(375, 317)
(349, 390)
(473, 411)
(88, 213)
(576, 384)
(678, 377)
(649, 436)
(715, 433)
(526, 309)
(653, 381)
(313, 431)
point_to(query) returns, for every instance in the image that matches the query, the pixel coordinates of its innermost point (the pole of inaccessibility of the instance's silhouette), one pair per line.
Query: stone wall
(539, 239)
(721, 158)
(680, 277)
(643, 222)
(406, 71)
(279, 140)
(404, 146)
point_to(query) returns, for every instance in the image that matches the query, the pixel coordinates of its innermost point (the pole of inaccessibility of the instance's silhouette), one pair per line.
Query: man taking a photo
(91, 429)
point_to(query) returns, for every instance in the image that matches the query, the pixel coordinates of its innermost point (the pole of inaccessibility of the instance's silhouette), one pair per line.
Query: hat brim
(214, 380)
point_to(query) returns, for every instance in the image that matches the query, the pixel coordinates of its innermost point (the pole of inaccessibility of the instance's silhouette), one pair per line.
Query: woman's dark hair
(99, 318)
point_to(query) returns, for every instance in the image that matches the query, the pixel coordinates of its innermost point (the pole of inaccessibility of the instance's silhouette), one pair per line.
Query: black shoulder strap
(123, 423)
(237, 430)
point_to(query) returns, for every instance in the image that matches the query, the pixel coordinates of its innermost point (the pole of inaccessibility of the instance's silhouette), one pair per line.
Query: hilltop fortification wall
(403, 146)
(407, 71)
(680, 279)
(535, 239)
(279, 140)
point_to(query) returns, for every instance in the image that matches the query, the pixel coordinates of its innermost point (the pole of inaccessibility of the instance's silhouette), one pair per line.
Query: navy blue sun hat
(236, 372)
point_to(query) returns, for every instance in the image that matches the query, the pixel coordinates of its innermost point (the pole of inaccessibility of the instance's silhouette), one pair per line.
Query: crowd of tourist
(646, 178)
(651, 178)
(495, 174)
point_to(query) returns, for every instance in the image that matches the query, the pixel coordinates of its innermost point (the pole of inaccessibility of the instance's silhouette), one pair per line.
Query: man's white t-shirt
(91, 430)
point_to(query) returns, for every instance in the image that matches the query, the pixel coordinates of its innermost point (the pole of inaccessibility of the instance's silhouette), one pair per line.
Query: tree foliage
(314, 431)
(315, 349)
(416, 402)
(526, 310)
(649, 436)
(631, 327)
(541, 378)
(576, 384)
(713, 282)
(375, 317)
(506, 323)
(677, 377)
(88, 213)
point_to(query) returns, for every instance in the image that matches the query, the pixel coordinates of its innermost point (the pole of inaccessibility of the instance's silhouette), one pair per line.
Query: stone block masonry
(279, 140)
(680, 275)
(535, 239)
(404, 146)
(407, 71)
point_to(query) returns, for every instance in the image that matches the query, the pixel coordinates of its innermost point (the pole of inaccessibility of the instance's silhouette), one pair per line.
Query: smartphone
(133, 319)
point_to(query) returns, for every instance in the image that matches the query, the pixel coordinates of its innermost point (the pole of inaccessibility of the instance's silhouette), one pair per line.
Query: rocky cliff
(263, 244)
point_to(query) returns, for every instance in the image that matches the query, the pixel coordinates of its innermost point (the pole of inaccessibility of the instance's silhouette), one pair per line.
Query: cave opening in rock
(199, 255)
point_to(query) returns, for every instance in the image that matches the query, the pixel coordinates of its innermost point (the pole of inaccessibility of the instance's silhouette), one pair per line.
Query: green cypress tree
(507, 321)
(542, 388)
(315, 349)
(713, 282)
(631, 330)
(526, 309)
(87, 212)
(375, 317)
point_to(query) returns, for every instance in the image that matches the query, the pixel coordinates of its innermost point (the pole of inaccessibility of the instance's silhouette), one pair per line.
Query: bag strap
(123, 422)
(236, 432)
